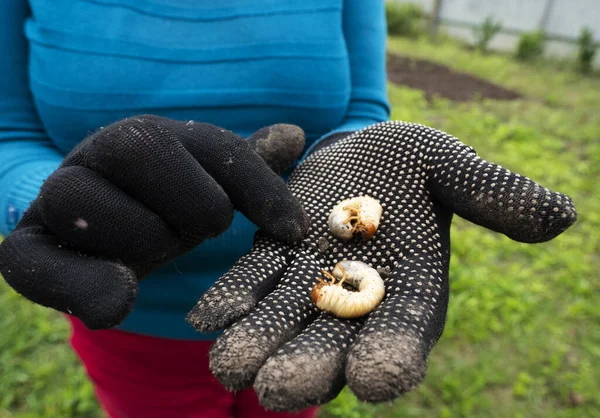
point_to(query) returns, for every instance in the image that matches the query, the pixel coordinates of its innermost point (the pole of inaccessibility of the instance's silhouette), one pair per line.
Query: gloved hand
(296, 355)
(137, 194)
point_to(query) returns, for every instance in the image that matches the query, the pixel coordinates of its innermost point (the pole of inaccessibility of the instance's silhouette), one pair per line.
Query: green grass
(39, 374)
(523, 331)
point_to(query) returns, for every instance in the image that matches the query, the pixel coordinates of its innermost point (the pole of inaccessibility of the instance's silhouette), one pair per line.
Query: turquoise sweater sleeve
(365, 32)
(27, 156)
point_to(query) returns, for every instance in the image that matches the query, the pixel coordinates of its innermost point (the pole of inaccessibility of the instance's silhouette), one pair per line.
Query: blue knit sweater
(69, 67)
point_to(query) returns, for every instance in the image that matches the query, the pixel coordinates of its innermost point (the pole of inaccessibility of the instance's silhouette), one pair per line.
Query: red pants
(140, 376)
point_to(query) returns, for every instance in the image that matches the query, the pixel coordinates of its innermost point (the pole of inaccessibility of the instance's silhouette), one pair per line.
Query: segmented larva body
(334, 298)
(358, 215)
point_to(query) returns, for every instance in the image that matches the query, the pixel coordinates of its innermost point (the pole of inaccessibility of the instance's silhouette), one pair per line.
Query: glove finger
(38, 266)
(278, 145)
(492, 196)
(96, 217)
(235, 293)
(308, 370)
(149, 163)
(239, 353)
(254, 189)
(389, 356)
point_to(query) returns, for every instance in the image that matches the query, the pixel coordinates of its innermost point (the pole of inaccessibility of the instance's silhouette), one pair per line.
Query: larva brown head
(366, 230)
(316, 292)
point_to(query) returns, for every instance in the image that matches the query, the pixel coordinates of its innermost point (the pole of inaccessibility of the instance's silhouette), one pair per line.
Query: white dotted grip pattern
(297, 356)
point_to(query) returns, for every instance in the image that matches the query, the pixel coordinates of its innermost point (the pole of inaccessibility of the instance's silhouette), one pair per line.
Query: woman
(70, 69)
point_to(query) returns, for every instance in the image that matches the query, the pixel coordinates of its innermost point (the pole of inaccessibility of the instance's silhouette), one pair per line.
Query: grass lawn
(523, 331)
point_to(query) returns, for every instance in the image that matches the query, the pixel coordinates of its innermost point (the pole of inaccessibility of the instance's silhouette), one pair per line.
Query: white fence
(561, 20)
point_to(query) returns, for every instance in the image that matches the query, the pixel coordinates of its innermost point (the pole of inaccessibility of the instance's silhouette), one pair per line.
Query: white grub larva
(332, 297)
(358, 215)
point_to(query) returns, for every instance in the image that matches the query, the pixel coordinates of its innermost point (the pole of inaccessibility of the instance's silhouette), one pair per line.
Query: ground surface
(522, 337)
(437, 80)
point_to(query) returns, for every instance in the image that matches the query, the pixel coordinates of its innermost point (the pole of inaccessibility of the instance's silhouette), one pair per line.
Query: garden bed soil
(438, 80)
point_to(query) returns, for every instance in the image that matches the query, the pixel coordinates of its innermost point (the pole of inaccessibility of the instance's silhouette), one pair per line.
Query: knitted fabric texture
(132, 197)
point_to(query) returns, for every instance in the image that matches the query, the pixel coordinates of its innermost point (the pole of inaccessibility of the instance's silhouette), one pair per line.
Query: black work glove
(296, 355)
(140, 193)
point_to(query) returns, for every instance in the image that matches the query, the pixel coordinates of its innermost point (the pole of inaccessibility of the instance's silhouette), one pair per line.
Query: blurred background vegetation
(523, 331)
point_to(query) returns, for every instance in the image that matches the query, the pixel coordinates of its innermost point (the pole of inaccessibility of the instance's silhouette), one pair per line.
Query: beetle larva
(334, 298)
(358, 215)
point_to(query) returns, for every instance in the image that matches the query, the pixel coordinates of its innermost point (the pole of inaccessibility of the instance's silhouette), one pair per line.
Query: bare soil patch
(438, 80)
